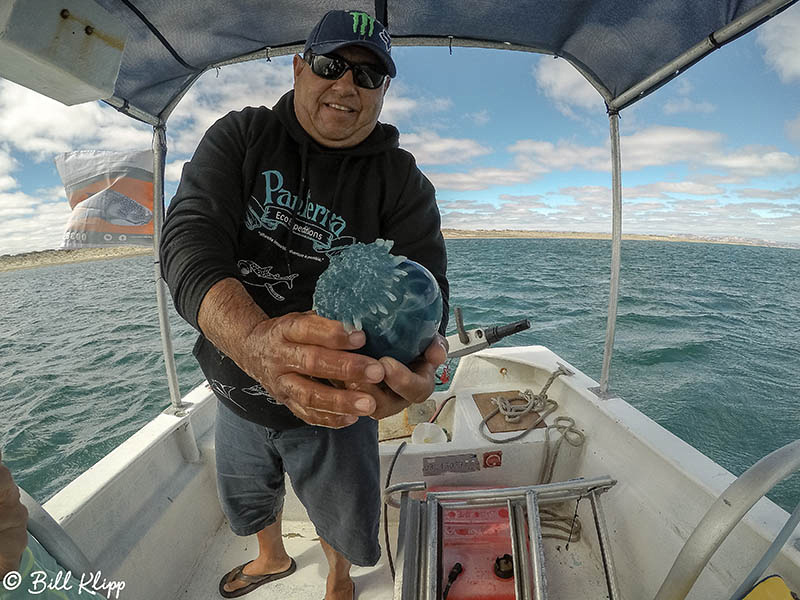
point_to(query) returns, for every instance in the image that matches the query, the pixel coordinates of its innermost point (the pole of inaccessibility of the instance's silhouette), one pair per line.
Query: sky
(510, 140)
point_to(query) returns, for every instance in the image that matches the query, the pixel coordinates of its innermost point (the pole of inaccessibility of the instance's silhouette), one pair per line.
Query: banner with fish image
(111, 197)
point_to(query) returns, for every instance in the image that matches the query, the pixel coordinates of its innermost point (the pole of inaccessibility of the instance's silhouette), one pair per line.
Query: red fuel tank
(475, 537)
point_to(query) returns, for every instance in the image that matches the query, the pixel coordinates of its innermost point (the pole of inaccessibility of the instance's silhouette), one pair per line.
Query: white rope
(557, 524)
(513, 412)
(574, 437)
(539, 403)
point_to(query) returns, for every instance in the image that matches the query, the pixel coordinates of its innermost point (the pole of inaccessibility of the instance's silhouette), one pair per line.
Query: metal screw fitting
(504, 566)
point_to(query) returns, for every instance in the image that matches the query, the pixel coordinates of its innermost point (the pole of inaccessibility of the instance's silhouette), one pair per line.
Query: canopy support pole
(763, 11)
(159, 159)
(616, 243)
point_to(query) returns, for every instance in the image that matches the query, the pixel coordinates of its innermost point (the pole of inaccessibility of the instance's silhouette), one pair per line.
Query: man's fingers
(324, 363)
(436, 352)
(9, 492)
(414, 385)
(308, 328)
(13, 515)
(322, 419)
(296, 390)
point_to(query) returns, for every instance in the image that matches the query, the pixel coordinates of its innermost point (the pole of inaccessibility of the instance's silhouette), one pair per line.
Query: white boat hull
(147, 516)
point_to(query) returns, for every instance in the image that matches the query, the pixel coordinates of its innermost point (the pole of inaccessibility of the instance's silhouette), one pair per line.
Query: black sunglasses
(331, 66)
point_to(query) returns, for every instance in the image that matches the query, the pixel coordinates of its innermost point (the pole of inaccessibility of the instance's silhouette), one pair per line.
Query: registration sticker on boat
(492, 459)
(454, 463)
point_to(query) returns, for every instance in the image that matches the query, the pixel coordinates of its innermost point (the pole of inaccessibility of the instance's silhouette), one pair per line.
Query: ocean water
(707, 344)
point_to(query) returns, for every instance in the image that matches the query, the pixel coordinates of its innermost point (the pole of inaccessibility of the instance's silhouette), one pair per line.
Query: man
(13, 523)
(268, 195)
(25, 566)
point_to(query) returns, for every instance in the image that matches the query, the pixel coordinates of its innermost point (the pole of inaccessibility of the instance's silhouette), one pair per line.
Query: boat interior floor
(576, 572)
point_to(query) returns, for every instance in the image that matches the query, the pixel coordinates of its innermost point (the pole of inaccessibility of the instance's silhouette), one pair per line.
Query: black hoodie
(262, 202)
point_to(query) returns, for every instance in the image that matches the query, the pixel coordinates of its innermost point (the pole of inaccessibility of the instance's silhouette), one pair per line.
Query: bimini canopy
(625, 49)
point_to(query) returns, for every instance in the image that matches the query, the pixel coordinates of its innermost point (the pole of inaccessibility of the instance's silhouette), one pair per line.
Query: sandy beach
(46, 258)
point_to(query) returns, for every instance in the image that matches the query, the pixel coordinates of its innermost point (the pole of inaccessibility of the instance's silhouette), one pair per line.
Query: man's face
(337, 113)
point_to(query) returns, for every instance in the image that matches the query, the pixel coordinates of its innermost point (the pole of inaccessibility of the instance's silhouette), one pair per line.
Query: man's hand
(13, 523)
(289, 355)
(403, 386)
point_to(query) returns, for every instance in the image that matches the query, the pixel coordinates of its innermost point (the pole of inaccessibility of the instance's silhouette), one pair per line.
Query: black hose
(439, 409)
(451, 577)
(386, 508)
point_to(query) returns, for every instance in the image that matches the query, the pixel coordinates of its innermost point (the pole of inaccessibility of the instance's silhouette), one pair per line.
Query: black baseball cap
(340, 28)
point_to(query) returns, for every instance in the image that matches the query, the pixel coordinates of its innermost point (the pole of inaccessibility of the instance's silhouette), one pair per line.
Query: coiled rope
(574, 437)
(539, 403)
(557, 524)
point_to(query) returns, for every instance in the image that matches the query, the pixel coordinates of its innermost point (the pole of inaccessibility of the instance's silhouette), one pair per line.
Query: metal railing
(420, 540)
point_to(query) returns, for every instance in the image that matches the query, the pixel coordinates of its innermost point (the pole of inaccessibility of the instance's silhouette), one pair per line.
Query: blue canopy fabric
(615, 44)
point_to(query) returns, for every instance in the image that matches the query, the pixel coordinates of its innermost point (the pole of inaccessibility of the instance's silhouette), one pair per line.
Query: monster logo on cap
(363, 19)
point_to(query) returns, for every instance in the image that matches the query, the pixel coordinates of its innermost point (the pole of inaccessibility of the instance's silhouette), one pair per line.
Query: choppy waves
(707, 344)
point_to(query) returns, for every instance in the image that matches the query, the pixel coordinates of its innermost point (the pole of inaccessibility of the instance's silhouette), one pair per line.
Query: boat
(589, 499)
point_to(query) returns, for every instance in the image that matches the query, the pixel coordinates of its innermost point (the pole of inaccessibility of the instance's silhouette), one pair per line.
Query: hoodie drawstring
(301, 194)
(339, 182)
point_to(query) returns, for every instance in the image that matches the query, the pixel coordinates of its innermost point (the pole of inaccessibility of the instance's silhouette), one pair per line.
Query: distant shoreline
(459, 234)
(44, 258)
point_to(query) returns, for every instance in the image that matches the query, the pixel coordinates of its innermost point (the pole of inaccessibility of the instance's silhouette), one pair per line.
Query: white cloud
(7, 182)
(477, 179)
(755, 161)
(682, 85)
(771, 194)
(258, 83)
(397, 109)
(403, 105)
(659, 145)
(480, 118)
(7, 166)
(686, 105)
(588, 209)
(793, 129)
(42, 127)
(431, 149)
(534, 200)
(173, 170)
(215, 94)
(652, 147)
(539, 157)
(663, 189)
(781, 42)
(683, 104)
(27, 223)
(36, 127)
(52, 194)
(467, 205)
(565, 86)
(643, 207)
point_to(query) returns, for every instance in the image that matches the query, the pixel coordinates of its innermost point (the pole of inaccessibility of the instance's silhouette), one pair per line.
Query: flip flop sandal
(253, 581)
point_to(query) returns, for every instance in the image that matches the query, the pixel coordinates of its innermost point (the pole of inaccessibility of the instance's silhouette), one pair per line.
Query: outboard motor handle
(498, 332)
(466, 342)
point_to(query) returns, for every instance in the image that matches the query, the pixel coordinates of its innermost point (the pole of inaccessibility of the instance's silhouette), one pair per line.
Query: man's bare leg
(339, 586)
(272, 557)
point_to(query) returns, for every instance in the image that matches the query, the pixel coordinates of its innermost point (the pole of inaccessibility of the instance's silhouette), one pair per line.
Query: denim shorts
(334, 472)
